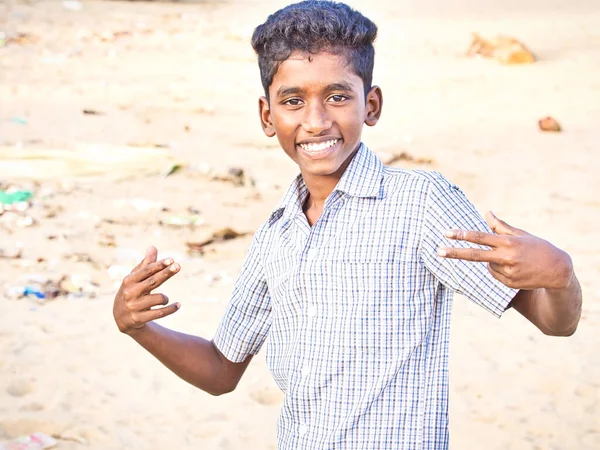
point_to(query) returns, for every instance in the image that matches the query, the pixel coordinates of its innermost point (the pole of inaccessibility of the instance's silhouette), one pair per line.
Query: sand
(181, 86)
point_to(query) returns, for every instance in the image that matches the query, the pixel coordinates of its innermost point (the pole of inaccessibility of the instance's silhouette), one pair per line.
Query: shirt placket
(306, 356)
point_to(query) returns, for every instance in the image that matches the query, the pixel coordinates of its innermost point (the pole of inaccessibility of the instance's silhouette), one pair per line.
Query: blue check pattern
(355, 310)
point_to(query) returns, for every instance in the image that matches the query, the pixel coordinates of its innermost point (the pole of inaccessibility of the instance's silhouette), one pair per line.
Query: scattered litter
(174, 168)
(17, 38)
(18, 120)
(43, 288)
(92, 112)
(15, 200)
(35, 441)
(82, 160)
(235, 175)
(549, 124)
(505, 49)
(33, 291)
(183, 221)
(224, 234)
(391, 157)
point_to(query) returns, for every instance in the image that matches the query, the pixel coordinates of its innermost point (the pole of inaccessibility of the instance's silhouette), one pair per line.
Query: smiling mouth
(318, 147)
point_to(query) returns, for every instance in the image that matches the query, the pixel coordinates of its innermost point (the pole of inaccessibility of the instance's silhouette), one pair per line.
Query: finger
(157, 279)
(147, 271)
(149, 301)
(499, 275)
(149, 257)
(500, 226)
(476, 237)
(469, 254)
(153, 314)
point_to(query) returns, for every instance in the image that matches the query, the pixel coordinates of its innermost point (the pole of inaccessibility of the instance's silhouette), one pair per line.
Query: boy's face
(317, 109)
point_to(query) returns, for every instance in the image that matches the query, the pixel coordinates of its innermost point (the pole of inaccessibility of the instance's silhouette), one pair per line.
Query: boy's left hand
(516, 258)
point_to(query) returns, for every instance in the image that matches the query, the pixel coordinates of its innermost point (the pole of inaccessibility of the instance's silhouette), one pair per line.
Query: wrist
(565, 274)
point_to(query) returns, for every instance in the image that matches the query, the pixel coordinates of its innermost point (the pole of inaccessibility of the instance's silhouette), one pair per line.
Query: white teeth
(320, 146)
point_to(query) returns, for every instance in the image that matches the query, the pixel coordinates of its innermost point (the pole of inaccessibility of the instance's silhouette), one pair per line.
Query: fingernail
(441, 252)
(449, 234)
(178, 305)
(174, 268)
(168, 262)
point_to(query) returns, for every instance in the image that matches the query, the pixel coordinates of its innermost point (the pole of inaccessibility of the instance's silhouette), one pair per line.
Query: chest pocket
(370, 292)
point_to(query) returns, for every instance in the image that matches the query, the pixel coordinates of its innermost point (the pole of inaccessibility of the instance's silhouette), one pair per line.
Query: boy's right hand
(133, 303)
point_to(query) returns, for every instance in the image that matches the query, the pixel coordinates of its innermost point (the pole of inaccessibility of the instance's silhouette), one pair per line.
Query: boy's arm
(549, 293)
(192, 358)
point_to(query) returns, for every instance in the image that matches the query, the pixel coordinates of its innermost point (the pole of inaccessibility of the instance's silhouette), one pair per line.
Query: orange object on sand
(505, 49)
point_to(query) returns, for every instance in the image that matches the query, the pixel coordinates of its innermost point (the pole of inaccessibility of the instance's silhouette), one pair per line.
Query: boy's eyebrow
(341, 86)
(284, 91)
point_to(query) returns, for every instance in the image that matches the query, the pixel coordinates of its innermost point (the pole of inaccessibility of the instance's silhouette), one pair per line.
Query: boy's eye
(338, 98)
(293, 102)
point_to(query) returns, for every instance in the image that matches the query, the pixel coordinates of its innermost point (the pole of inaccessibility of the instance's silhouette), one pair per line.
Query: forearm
(555, 312)
(194, 359)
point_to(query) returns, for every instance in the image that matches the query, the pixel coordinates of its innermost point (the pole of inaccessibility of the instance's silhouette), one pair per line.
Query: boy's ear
(374, 102)
(264, 111)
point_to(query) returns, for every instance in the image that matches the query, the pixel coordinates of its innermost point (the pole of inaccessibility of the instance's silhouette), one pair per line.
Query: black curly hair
(314, 26)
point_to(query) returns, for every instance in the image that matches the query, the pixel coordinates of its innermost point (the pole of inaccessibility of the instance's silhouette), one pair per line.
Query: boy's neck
(319, 189)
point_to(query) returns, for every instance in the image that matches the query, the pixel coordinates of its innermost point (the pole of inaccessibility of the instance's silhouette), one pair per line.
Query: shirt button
(312, 253)
(302, 430)
(312, 311)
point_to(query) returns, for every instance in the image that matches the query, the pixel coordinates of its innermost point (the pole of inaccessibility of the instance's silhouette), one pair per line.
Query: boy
(351, 277)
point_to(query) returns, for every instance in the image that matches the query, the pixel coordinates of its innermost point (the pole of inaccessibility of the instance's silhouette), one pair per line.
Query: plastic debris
(183, 221)
(15, 200)
(40, 287)
(549, 124)
(504, 49)
(35, 441)
(19, 120)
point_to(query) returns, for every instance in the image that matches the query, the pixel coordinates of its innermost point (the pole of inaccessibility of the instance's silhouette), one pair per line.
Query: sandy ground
(181, 86)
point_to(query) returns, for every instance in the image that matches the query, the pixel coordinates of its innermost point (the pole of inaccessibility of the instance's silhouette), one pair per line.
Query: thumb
(500, 226)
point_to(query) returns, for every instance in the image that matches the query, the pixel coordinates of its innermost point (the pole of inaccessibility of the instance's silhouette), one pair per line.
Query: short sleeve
(244, 327)
(448, 208)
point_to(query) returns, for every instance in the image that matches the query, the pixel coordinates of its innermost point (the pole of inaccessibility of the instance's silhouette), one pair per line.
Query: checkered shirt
(356, 309)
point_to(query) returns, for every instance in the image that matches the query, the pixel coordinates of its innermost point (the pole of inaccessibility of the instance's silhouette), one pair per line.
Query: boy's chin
(320, 169)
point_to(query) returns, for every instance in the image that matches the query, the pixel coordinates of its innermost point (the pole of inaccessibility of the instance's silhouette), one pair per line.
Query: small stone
(19, 388)
(549, 124)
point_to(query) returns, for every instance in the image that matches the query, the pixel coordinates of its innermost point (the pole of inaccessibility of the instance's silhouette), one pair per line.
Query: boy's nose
(316, 119)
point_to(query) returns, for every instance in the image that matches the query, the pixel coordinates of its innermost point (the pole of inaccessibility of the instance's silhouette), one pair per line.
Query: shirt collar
(362, 178)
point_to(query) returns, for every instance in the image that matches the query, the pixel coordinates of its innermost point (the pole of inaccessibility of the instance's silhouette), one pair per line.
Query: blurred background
(125, 124)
